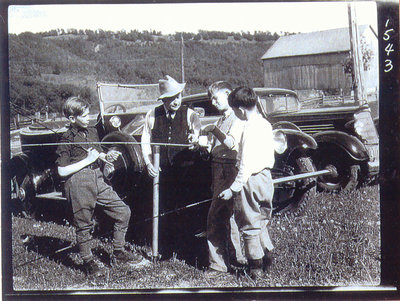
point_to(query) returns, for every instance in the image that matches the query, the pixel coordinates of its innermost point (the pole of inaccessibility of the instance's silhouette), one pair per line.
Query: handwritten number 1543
(388, 48)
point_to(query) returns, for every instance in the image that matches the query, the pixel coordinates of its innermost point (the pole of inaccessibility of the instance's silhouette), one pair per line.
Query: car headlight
(115, 121)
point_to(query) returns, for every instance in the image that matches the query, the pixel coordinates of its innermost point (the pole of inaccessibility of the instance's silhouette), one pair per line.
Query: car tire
(128, 167)
(297, 193)
(21, 187)
(346, 171)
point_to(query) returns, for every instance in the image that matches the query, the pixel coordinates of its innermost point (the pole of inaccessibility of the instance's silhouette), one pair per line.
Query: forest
(46, 68)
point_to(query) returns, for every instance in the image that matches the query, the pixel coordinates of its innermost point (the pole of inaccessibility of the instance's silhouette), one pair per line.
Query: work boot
(238, 266)
(123, 257)
(94, 269)
(256, 269)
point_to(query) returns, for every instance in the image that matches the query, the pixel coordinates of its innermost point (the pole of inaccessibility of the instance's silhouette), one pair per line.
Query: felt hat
(169, 87)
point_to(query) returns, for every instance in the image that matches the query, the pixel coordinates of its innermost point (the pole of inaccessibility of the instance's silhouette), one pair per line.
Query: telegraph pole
(182, 61)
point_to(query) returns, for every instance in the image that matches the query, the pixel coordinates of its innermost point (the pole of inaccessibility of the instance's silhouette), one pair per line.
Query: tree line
(45, 68)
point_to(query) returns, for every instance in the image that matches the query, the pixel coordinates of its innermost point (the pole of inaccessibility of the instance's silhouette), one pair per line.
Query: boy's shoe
(256, 269)
(240, 263)
(213, 274)
(94, 269)
(256, 274)
(267, 261)
(123, 257)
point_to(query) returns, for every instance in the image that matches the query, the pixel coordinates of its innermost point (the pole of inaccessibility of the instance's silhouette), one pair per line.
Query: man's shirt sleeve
(146, 136)
(194, 122)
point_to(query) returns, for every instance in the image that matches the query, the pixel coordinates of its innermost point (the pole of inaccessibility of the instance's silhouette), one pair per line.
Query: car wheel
(126, 170)
(345, 176)
(291, 196)
(21, 188)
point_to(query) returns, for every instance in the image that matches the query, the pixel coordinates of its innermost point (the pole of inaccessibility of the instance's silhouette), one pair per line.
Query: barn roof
(327, 41)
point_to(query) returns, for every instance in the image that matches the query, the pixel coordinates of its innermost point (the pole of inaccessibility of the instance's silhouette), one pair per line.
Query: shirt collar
(227, 113)
(75, 130)
(169, 112)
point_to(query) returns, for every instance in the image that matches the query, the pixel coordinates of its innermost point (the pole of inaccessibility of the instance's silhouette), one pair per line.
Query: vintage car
(120, 124)
(345, 131)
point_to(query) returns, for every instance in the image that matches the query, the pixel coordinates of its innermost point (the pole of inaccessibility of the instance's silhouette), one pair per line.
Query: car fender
(350, 144)
(285, 125)
(298, 139)
(21, 159)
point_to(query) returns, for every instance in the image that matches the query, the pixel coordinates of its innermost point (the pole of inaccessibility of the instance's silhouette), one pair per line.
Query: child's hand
(112, 155)
(226, 195)
(93, 154)
(194, 141)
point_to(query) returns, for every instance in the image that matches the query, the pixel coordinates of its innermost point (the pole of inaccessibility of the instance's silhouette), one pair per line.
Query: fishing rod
(107, 233)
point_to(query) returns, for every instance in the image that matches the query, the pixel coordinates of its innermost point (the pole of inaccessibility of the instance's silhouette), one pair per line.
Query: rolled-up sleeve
(194, 122)
(146, 136)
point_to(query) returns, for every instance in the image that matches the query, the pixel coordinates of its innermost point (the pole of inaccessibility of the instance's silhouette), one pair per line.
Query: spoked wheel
(290, 196)
(345, 175)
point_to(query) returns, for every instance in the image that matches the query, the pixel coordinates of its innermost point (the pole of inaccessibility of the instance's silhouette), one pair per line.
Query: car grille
(316, 128)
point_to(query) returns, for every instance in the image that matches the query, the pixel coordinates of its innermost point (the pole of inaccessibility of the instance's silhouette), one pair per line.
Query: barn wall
(321, 72)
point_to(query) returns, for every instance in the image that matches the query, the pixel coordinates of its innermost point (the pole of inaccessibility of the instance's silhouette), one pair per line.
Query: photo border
(389, 111)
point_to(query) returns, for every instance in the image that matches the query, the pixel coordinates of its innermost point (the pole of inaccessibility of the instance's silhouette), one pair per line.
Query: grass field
(333, 241)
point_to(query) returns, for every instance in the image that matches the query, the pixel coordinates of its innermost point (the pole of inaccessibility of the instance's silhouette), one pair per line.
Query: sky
(189, 17)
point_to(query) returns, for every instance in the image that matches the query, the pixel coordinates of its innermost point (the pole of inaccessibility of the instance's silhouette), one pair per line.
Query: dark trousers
(223, 235)
(86, 189)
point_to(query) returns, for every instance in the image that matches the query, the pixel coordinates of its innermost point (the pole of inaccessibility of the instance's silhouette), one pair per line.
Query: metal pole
(303, 176)
(182, 60)
(156, 180)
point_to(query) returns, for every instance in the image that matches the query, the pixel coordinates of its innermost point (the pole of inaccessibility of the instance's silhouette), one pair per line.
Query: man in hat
(171, 123)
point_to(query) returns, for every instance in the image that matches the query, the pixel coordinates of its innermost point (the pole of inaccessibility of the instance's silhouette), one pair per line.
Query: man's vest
(175, 130)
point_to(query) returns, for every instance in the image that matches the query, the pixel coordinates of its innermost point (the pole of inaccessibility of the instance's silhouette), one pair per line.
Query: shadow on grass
(56, 211)
(59, 250)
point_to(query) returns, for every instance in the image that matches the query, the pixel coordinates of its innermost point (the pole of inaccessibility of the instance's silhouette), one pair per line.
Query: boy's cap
(169, 87)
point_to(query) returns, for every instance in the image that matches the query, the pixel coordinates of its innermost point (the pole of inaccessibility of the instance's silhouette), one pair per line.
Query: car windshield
(279, 103)
(127, 99)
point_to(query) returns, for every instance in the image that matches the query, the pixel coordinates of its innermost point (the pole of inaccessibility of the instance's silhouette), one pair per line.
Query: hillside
(45, 69)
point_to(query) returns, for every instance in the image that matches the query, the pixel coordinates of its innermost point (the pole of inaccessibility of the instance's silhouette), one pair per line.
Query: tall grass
(334, 241)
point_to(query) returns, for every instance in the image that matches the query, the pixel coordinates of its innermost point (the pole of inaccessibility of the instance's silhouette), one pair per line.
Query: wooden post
(156, 180)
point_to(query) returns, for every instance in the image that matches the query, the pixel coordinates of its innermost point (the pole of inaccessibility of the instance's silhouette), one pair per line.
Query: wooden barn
(316, 61)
